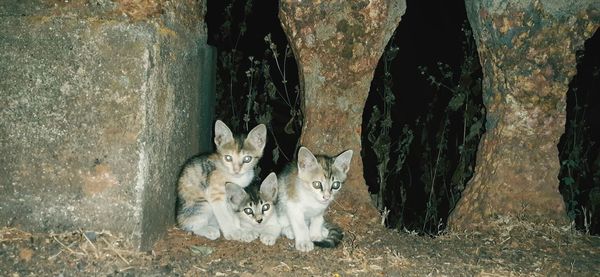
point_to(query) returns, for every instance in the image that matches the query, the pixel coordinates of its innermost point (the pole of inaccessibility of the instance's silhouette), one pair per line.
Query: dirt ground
(514, 249)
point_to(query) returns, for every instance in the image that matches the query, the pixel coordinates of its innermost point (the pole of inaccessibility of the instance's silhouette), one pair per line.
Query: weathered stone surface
(527, 51)
(98, 112)
(337, 45)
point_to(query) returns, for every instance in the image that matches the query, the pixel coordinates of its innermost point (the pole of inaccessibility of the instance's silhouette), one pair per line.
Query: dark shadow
(250, 87)
(579, 148)
(429, 158)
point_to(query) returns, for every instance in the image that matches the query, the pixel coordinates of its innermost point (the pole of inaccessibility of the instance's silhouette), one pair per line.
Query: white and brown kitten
(306, 188)
(203, 208)
(255, 207)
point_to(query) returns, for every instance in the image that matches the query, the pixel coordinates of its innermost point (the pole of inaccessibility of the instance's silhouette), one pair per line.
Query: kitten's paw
(248, 236)
(288, 232)
(268, 239)
(209, 232)
(319, 235)
(233, 235)
(305, 246)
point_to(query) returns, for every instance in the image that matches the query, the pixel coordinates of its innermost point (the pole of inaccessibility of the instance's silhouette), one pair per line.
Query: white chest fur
(242, 180)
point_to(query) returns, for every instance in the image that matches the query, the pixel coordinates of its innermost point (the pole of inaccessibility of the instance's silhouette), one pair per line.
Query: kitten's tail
(334, 237)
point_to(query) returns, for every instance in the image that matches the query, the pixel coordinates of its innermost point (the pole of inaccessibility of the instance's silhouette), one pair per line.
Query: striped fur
(306, 188)
(202, 205)
(334, 237)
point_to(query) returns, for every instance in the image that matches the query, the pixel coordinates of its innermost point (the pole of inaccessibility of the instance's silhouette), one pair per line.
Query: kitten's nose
(326, 196)
(259, 220)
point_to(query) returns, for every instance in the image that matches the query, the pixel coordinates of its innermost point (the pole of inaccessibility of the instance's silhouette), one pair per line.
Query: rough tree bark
(337, 45)
(527, 51)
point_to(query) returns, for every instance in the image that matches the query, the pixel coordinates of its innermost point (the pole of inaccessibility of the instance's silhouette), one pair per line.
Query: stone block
(97, 114)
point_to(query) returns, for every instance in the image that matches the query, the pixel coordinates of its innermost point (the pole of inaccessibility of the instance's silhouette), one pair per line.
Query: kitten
(201, 186)
(305, 190)
(255, 208)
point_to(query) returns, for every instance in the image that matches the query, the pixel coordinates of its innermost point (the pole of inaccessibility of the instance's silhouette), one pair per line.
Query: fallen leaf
(202, 250)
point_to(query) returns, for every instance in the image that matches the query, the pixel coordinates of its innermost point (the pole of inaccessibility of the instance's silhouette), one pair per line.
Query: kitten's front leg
(286, 228)
(228, 222)
(203, 224)
(248, 234)
(301, 232)
(270, 233)
(317, 228)
(230, 226)
(196, 216)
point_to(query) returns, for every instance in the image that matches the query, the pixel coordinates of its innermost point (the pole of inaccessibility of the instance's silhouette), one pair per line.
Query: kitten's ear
(235, 194)
(268, 188)
(342, 161)
(223, 134)
(258, 137)
(306, 160)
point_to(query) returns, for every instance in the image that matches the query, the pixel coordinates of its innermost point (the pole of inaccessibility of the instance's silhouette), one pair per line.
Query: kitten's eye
(266, 207)
(317, 185)
(336, 185)
(248, 211)
(247, 159)
(228, 158)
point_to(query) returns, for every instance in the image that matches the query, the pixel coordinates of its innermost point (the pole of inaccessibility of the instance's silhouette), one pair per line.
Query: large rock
(100, 105)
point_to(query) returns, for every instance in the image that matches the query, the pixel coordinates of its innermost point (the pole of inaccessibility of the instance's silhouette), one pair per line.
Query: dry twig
(114, 250)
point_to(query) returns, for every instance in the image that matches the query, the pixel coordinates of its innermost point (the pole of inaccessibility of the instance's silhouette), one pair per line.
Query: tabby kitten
(305, 190)
(255, 208)
(203, 208)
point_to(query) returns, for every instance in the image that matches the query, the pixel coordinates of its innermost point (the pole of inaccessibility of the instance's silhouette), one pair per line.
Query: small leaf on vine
(289, 127)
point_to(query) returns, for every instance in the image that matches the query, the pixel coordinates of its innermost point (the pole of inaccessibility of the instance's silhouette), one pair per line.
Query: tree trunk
(337, 44)
(527, 51)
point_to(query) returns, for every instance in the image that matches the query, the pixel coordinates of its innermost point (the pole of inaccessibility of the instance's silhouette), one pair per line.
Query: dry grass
(516, 248)
(13, 234)
(76, 246)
